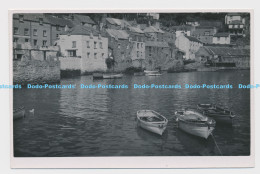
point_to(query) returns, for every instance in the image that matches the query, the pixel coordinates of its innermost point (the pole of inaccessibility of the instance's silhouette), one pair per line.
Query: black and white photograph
(131, 84)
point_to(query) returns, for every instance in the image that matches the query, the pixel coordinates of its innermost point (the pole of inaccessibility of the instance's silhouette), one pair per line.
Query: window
(20, 18)
(15, 39)
(95, 45)
(74, 44)
(137, 53)
(119, 45)
(41, 21)
(44, 33)
(44, 42)
(26, 32)
(88, 54)
(101, 45)
(35, 42)
(72, 53)
(137, 45)
(16, 31)
(95, 55)
(236, 26)
(218, 38)
(26, 40)
(167, 55)
(141, 45)
(57, 35)
(88, 44)
(35, 32)
(103, 55)
(127, 47)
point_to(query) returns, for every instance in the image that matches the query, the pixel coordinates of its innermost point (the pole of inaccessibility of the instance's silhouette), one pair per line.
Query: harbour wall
(36, 72)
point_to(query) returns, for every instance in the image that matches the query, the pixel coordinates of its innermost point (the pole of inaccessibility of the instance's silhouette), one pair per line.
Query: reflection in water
(101, 122)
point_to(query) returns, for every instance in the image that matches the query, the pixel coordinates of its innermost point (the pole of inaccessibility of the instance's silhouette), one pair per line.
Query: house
(58, 26)
(224, 56)
(193, 23)
(182, 29)
(189, 45)
(235, 23)
(31, 28)
(137, 42)
(120, 48)
(117, 24)
(204, 33)
(38, 29)
(153, 33)
(84, 48)
(157, 55)
(221, 38)
(81, 19)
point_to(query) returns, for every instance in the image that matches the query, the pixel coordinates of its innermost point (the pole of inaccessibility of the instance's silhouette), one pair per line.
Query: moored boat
(97, 76)
(112, 76)
(195, 123)
(153, 74)
(19, 113)
(221, 115)
(149, 72)
(151, 121)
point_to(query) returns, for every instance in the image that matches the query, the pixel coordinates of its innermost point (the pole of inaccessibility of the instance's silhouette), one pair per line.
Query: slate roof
(82, 18)
(118, 22)
(135, 30)
(120, 34)
(193, 39)
(34, 17)
(156, 44)
(81, 30)
(59, 21)
(221, 35)
(227, 51)
(152, 29)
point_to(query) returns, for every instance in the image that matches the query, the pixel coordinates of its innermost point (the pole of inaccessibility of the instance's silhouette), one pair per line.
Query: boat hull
(220, 115)
(197, 130)
(152, 128)
(19, 113)
(153, 74)
(115, 76)
(157, 125)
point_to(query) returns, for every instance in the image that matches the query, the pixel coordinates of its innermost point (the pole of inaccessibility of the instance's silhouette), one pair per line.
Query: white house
(189, 45)
(85, 46)
(221, 38)
(235, 23)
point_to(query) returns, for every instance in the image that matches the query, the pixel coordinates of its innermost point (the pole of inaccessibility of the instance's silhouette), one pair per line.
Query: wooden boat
(97, 76)
(153, 74)
(112, 76)
(221, 115)
(19, 113)
(149, 72)
(151, 121)
(193, 122)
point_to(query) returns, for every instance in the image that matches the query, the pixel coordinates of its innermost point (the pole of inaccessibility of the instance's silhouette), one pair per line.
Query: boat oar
(216, 144)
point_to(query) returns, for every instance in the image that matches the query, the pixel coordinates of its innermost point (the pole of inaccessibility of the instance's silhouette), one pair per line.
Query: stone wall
(36, 72)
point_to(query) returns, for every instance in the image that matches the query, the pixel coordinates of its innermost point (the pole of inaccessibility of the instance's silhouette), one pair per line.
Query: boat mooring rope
(216, 144)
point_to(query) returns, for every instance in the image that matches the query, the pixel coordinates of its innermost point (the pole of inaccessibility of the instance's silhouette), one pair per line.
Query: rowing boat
(19, 113)
(112, 76)
(195, 123)
(221, 115)
(151, 121)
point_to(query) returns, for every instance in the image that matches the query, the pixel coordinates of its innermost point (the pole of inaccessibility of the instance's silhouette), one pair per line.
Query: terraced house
(119, 48)
(84, 49)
